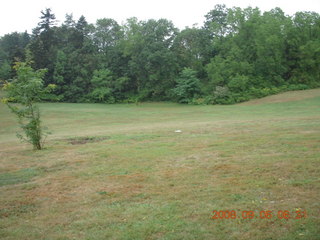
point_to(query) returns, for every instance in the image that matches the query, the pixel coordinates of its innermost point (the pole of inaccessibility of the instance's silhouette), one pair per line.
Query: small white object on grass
(177, 131)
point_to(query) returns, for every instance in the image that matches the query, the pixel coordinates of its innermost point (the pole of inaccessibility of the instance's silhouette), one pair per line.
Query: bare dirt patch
(84, 140)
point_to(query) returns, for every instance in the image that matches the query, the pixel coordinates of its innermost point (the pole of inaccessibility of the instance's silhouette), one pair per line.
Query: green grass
(121, 172)
(20, 176)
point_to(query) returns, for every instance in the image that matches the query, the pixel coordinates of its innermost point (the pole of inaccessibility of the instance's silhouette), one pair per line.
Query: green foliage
(308, 71)
(107, 34)
(187, 86)
(192, 47)
(22, 95)
(246, 51)
(5, 71)
(239, 83)
(101, 83)
(12, 47)
(151, 63)
(229, 72)
(222, 95)
(217, 21)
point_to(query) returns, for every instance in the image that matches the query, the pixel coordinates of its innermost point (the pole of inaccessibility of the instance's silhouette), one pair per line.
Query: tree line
(237, 54)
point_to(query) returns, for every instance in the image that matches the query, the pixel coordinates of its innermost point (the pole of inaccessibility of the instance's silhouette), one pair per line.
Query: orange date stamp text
(265, 214)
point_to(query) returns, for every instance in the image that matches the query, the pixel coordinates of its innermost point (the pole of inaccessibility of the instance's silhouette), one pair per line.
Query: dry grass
(285, 97)
(142, 180)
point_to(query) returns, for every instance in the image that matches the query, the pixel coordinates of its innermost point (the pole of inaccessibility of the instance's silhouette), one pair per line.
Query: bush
(238, 83)
(23, 93)
(222, 95)
(294, 87)
(187, 86)
(101, 84)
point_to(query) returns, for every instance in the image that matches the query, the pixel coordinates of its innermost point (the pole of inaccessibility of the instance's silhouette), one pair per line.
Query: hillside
(290, 96)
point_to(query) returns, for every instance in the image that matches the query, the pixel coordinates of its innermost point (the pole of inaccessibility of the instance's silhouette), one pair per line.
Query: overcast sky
(21, 15)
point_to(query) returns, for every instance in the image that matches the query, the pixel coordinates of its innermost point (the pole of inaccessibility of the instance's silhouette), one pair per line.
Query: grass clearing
(132, 177)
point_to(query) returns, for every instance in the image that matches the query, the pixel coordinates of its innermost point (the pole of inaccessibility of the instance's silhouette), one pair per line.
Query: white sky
(21, 15)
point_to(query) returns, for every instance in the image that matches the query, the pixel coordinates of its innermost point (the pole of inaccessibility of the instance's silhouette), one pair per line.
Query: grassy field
(122, 172)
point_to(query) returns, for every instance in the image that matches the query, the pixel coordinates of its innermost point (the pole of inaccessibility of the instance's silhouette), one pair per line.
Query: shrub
(23, 93)
(187, 86)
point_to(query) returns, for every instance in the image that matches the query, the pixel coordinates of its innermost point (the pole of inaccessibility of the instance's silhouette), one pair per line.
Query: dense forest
(237, 54)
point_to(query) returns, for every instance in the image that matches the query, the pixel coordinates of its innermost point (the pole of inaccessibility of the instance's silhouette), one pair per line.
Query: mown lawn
(122, 172)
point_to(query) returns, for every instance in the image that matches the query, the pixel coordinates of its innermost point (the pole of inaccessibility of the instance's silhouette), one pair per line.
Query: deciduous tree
(22, 95)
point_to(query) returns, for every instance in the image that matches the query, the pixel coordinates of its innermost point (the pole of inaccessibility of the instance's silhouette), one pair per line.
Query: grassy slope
(144, 181)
